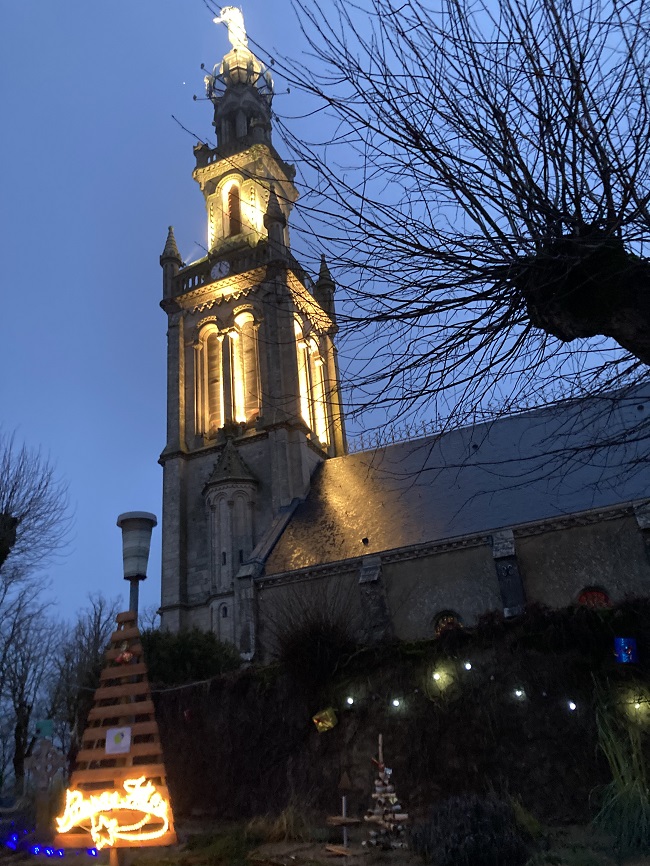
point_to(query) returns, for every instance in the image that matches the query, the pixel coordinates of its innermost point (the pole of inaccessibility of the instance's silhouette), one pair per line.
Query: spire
(170, 253)
(324, 289)
(230, 467)
(274, 212)
(324, 276)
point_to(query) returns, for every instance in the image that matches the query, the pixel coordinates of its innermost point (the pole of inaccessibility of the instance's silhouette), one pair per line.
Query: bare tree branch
(480, 174)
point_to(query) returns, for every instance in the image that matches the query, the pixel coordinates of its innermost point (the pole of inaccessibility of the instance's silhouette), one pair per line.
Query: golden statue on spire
(233, 18)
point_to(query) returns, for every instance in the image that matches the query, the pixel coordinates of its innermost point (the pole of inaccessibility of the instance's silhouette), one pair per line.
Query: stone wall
(553, 561)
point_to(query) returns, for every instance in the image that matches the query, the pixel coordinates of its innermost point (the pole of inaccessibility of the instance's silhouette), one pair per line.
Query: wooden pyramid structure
(118, 794)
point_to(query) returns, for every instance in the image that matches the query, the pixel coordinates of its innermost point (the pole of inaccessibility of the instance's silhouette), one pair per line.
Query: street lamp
(136, 529)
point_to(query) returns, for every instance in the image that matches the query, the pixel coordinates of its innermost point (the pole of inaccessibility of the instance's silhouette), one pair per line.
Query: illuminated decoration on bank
(106, 816)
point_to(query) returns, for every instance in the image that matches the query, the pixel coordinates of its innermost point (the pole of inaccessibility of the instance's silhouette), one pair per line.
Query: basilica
(267, 517)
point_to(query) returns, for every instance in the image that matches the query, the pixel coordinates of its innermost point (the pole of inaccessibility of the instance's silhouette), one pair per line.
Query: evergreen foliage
(187, 656)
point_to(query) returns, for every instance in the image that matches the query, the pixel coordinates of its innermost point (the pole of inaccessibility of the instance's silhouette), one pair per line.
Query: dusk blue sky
(94, 169)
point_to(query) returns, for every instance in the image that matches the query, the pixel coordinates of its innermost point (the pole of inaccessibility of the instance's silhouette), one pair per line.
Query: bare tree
(487, 162)
(34, 519)
(29, 664)
(76, 668)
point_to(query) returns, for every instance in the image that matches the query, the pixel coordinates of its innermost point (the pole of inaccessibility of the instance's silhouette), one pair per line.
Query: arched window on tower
(246, 378)
(209, 382)
(304, 384)
(318, 409)
(311, 382)
(227, 379)
(233, 210)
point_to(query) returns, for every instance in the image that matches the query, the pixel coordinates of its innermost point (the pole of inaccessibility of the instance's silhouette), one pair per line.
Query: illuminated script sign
(134, 815)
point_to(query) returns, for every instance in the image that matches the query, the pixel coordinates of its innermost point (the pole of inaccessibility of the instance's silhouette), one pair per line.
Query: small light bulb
(572, 706)
(395, 702)
(637, 705)
(436, 676)
(468, 666)
(350, 700)
(519, 693)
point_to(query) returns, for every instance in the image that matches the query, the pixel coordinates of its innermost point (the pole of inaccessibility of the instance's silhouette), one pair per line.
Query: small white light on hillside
(637, 706)
(436, 676)
(572, 706)
(396, 702)
(468, 666)
(519, 693)
(349, 700)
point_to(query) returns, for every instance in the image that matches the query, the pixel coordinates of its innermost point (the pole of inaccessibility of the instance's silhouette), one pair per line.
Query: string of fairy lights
(633, 698)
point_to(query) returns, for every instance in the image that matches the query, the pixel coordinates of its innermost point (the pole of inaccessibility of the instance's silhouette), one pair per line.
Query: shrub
(472, 831)
(625, 801)
(187, 656)
(313, 635)
(291, 825)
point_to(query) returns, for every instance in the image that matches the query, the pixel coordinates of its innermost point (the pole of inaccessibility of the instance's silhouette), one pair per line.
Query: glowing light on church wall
(249, 364)
(303, 374)
(212, 362)
(139, 813)
(238, 385)
(318, 393)
(251, 210)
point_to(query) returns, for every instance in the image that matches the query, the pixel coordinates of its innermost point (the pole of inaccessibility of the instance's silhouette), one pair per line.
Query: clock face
(219, 270)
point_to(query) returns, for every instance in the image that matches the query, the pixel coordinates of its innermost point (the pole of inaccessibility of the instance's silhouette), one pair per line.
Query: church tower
(253, 395)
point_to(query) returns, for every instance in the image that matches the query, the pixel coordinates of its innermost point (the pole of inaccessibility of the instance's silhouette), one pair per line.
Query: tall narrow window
(302, 355)
(247, 368)
(234, 211)
(318, 408)
(213, 388)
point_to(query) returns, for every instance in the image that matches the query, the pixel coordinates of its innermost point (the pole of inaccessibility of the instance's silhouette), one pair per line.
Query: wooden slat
(113, 775)
(120, 672)
(103, 693)
(125, 634)
(118, 711)
(137, 729)
(112, 654)
(137, 749)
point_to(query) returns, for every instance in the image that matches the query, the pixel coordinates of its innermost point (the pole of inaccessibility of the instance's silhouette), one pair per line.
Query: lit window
(234, 211)
(593, 596)
(445, 621)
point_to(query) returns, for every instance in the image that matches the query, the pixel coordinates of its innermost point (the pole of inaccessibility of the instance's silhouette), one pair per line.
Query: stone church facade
(266, 515)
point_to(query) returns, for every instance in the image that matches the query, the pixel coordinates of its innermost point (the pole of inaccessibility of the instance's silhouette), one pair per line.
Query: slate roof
(521, 469)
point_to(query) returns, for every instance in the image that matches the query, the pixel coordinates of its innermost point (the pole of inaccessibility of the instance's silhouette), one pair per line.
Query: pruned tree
(34, 518)
(487, 164)
(34, 524)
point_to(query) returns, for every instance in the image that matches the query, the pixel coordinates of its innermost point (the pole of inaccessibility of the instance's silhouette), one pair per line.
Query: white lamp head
(136, 529)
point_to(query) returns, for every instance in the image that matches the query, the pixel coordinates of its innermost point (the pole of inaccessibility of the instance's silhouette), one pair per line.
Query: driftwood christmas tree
(118, 793)
(385, 814)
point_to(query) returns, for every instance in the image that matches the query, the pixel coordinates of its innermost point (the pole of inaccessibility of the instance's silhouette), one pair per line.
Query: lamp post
(136, 529)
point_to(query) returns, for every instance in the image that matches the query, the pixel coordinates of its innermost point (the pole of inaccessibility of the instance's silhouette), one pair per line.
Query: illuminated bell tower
(253, 387)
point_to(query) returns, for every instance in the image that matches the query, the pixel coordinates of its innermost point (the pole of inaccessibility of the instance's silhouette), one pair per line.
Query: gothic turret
(275, 223)
(324, 290)
(170, 262)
